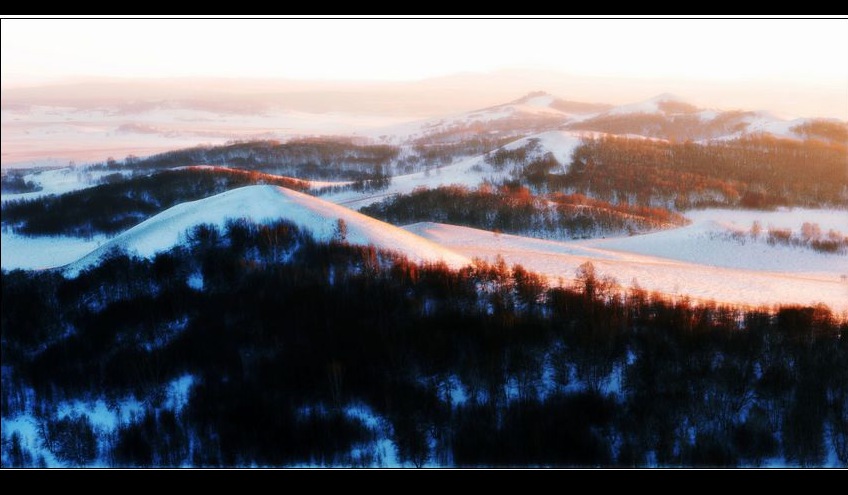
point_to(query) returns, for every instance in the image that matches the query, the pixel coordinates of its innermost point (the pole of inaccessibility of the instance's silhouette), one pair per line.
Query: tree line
(678, 122)
(825, 130)
(307, 158)
(514, 209)
(13, 182)
(753, 172)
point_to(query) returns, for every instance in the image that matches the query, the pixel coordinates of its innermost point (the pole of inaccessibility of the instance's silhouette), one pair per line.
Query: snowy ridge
(651, 105)
(672, 271)
(261, 204)
(533, 107)
(766, 123)
(560, 143)
(752, 123)
(542, 100)
(736, 123)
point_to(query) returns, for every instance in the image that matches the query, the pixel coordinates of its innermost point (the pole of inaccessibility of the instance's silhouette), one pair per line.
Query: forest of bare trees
(753, 172)
(514, 209)
(285, 339)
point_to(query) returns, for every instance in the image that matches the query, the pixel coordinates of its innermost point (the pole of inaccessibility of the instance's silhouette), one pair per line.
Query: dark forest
(306, 353)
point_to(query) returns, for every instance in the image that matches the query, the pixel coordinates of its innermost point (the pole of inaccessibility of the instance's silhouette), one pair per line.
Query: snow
(560, 143)
(704, 242)
(543, 101)
(54, 135)
(702, 260)
(60, 181)
(763, 284)
(755, 122)
(762, 122)
(195, 281)
(766, 123)
(105, 417)
(26, 426)
(102, 417)
(178, 393)
(708, 115)
(469, 172)
(532, 107)
(535, 107)
(265, 203)
(405, 131)
(35, 253)
(42, 135)
(380, 451)
(650, 105)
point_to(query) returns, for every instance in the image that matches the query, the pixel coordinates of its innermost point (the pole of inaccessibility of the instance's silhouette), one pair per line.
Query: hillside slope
(636, 260)
(266, 203)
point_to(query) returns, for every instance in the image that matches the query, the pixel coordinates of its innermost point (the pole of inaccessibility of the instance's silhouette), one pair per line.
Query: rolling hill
(670, 262)
(667, 116)
(264, 203)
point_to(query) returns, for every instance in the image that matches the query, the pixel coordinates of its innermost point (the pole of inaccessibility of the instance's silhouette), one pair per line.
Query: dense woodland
(679, 123)
(514, 209)
(320, 159)
(755, 172)
(441, 148)
(288, 341)
(824, 130)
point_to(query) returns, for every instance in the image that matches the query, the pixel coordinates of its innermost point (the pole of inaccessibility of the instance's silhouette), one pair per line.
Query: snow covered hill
(541, 102)
(469, 172)
(669, 116)
(668, 262)
(265, 203)
(714, 258)
(61, 180)
(531, 113)
(665, 103)
(560, 143)
(722, 238)
(43, 252)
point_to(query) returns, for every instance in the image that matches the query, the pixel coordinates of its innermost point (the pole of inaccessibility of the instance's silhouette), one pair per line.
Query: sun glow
(370, 49)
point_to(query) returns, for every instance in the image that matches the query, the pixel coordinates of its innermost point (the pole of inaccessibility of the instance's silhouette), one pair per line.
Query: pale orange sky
(714, 49)
(790, 66)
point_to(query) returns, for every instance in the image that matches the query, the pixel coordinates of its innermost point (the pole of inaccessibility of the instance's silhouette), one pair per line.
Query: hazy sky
(800, 51)
(793, 67)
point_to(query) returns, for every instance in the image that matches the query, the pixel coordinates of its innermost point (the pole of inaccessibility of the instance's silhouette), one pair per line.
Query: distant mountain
(534, 112)
(667, 116)
(91, 121)
(664, 104)
(542, 99)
